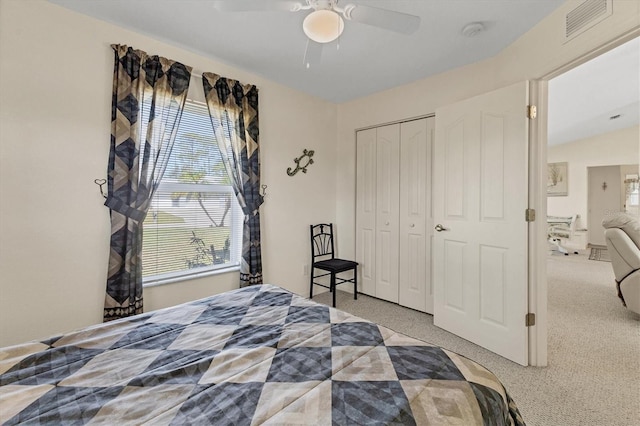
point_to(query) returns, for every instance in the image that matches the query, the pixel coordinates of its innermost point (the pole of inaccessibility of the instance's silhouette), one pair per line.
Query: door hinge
(530, 320)
(532, 112)
(530, 215)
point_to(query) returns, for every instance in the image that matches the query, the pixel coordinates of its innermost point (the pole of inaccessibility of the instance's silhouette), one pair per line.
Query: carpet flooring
(593, 376)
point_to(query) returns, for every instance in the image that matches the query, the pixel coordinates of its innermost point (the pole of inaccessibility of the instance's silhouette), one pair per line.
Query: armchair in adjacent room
(622, 233)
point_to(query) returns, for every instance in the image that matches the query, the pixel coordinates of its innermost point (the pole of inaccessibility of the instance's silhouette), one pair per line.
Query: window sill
(173, 280)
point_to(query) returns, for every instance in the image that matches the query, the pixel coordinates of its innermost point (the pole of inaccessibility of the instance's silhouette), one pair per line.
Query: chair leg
(333, 287)
(355, 283)
(311, 283)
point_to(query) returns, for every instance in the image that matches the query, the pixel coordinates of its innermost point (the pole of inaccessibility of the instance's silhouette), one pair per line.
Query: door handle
(441, 228)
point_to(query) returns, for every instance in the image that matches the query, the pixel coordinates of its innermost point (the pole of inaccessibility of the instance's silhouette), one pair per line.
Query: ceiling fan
(325, 22)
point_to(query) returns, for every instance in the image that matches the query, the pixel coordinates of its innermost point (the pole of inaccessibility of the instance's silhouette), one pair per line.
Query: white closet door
(431, 137)
(387, 211)
(415, 171)
(366, 210)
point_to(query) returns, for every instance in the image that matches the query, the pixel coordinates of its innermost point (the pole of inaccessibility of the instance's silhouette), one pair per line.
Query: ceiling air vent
(586, 15)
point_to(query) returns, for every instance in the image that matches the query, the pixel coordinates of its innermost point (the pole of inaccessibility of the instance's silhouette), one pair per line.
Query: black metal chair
(323, 258)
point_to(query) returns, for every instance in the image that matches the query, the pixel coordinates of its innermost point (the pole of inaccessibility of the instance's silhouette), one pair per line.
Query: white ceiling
(582, 100)
(371, 59)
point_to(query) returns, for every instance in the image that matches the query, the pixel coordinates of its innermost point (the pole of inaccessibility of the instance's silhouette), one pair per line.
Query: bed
(257, 355)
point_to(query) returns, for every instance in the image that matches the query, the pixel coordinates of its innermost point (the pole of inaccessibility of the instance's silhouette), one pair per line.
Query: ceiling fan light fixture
(323, 26)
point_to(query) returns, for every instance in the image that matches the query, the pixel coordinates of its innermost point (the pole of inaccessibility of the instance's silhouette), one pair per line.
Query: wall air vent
(585, 16)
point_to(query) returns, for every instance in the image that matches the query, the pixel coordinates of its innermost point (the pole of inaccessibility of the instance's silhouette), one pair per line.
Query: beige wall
(536, 54)
(56, 71)
(615, 148)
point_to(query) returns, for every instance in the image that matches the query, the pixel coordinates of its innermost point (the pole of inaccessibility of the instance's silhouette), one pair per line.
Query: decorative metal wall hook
(604, 186)
(305, 153)
(101, 182)
(264, 190)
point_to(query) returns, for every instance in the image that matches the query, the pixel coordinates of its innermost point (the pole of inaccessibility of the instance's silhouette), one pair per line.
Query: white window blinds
(194, 223)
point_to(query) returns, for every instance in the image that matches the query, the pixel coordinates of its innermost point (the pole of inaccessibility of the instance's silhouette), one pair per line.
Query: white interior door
(387, 214)
(366, 210)
(480, 194)
(603, 199)
(415, 205)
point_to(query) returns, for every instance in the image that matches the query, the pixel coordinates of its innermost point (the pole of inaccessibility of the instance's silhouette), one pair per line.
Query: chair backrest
(628, 223)
(561, 226)
(321, 241)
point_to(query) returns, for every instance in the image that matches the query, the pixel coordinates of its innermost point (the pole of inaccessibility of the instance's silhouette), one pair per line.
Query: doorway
(608, 194)
(589, 140)
(594, 133)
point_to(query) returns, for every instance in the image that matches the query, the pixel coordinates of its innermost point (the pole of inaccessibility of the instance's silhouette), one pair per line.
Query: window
(194, 223)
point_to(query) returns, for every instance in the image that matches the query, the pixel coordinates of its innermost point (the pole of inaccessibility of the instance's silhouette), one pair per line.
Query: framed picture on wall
(557, 179)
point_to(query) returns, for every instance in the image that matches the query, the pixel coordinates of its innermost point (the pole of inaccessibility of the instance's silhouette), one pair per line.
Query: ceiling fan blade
(399, 22)
(312, 54)
(256, 5)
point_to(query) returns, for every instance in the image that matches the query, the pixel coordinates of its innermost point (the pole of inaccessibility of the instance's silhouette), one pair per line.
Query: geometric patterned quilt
(257, 355)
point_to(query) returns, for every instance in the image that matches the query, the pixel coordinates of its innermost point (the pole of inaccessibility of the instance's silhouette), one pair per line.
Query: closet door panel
(366, 210)
(429, 223)
(387, 211)
(414, 169)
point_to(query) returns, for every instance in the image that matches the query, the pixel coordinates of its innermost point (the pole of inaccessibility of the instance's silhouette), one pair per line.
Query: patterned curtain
(233, 109)
(149, 94)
